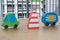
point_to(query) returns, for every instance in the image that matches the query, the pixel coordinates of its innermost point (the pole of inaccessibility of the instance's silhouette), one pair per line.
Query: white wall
(0, 6)
(0, 11)
(51, 5)
(18, 0)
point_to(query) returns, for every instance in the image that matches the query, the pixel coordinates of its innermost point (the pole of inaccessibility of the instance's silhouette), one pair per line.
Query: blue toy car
(50, 18)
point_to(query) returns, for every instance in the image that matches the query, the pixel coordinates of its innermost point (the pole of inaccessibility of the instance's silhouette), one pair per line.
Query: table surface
(22, 33)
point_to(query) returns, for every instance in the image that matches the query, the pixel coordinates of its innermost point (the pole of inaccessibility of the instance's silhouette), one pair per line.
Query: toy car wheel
(6, 27)
(15, 26)
(47, 24)
(53, 24)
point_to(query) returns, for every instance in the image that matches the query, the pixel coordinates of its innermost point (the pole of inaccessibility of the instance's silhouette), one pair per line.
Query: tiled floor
(22, 33)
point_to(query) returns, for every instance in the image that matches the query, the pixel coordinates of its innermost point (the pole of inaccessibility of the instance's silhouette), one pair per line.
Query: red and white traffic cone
(33, 22)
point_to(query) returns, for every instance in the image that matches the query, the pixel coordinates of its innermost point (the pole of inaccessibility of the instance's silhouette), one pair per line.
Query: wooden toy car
(10, 20)
(50, 18)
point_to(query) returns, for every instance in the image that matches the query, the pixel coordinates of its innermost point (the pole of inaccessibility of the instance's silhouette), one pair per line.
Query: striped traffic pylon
(33, 21)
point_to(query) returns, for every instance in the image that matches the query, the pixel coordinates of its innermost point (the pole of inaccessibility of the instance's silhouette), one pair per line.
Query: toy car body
(10, 20)
(50, 18)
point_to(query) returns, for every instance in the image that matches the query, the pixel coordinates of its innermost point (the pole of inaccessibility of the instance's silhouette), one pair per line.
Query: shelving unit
(22, 8)
(19, 7)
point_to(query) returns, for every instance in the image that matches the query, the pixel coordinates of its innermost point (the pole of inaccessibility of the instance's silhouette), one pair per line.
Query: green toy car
(10, 20)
